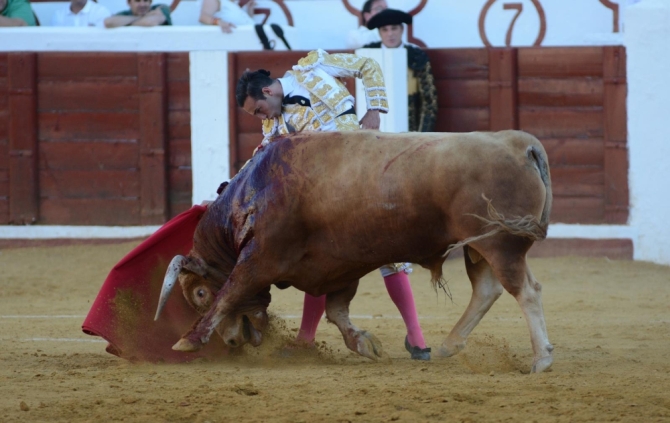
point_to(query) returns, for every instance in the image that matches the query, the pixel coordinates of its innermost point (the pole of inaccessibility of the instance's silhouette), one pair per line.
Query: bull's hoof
(449, 349)
(369, 346)
(186, 345)
(542, 365)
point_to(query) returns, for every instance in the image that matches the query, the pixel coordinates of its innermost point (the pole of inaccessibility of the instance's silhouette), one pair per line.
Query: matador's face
(268, 108)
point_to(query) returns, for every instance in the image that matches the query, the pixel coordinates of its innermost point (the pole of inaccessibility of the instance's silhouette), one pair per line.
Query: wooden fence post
(615, 129)
(503, 112)
(23, 176)
(152, 80)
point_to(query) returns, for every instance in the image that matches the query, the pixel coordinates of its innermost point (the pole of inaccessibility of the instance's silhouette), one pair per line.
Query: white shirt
(93, 14)
(291, 88)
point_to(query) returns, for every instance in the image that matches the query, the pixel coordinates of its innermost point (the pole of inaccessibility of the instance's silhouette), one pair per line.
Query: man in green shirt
(16, 13)
(141, 13)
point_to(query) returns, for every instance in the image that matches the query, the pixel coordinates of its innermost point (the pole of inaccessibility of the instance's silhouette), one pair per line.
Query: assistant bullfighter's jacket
(421, 91)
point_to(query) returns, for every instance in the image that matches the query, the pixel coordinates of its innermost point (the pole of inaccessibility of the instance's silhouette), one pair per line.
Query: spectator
(421, 84)
(227, 14)
(141, 13)
(357, 38)
(81, 13)
(16, 13)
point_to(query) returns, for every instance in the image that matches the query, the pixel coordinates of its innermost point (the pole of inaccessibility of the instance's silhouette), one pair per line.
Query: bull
(317, 211)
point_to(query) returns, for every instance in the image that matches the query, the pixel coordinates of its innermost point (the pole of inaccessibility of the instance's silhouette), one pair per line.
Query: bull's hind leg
(516, 277)
(337, 311)
(486, 289)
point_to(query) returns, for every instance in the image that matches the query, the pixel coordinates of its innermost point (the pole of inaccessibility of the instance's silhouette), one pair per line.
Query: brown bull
(317, 211)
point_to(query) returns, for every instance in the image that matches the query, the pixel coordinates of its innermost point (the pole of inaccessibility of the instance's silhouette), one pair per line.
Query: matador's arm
(343, 65)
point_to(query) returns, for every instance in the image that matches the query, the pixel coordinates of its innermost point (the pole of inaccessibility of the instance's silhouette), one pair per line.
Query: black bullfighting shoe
(416, 352)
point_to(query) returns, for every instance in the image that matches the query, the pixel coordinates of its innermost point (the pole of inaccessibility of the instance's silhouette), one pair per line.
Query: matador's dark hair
(251, 84)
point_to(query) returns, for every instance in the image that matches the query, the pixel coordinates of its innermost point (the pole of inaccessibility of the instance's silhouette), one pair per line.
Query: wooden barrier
(104, 138)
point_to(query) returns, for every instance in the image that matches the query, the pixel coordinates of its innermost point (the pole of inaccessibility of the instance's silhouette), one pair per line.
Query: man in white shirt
(81, 13)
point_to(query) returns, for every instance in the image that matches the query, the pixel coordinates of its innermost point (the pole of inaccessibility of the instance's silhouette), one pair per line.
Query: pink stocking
(400, 291)
(312, 310)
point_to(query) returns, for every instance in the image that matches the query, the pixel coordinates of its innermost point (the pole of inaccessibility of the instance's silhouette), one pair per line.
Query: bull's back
(364, 188)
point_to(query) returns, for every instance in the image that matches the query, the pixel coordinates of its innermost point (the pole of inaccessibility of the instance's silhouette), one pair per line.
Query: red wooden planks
(550, 122)
(178, 67)
(90, 211)
(3, 65)
(575, 151)
(577, 181)
(152, 80)
(111, 184)
(462, 120)
(23, 194)
(89, 156)
(455, 93)
(557, 92)
(117, 95)
(4, 126)
(503, 112)
(560, 62)
(179, 95)
(616, 249)
(101, 126)
(3, 93)
(585, 210)
(180, 153)
(87, 65)
(616, 150)
(466, 63)
(247, 143)
(179, 124)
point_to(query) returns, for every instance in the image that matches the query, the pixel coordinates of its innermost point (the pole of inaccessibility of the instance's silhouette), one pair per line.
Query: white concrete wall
(441, 24)
(393, 62)
(132, 39)
(210, 139)
(647, 40)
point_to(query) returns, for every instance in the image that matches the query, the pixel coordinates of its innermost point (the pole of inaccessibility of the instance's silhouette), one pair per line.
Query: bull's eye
(202, 296)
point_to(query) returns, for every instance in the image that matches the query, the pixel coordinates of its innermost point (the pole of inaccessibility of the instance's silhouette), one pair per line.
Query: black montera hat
(389, 17)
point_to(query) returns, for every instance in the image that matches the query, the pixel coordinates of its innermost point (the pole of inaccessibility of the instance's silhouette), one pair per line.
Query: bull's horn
(168, 283)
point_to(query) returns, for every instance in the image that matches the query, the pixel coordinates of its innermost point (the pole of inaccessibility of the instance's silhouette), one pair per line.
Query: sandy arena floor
(609, 322)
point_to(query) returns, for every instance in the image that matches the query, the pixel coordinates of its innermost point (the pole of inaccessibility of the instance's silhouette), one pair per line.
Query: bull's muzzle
(242, 328)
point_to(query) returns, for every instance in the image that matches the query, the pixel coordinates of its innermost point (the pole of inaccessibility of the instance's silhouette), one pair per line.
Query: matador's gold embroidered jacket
(318, 73)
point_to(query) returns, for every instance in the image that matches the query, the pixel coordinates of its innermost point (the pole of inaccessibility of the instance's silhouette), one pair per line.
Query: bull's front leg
(337, 311)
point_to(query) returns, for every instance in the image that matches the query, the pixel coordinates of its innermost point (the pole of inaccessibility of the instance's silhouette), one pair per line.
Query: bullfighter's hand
(371, 120)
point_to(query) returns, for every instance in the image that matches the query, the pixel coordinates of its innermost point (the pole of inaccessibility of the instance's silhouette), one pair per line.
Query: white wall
(441, 24)
(210, 138)
(131, 39)
(647, 41)
(393, 62)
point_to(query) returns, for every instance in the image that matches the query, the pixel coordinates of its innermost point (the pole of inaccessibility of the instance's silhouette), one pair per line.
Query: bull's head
(200, 284)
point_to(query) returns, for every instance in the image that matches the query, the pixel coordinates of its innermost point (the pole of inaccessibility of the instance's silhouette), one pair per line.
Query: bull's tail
(539, 158)
(527, 226)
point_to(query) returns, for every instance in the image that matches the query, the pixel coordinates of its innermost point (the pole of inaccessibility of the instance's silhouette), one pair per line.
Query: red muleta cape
(123, 312)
